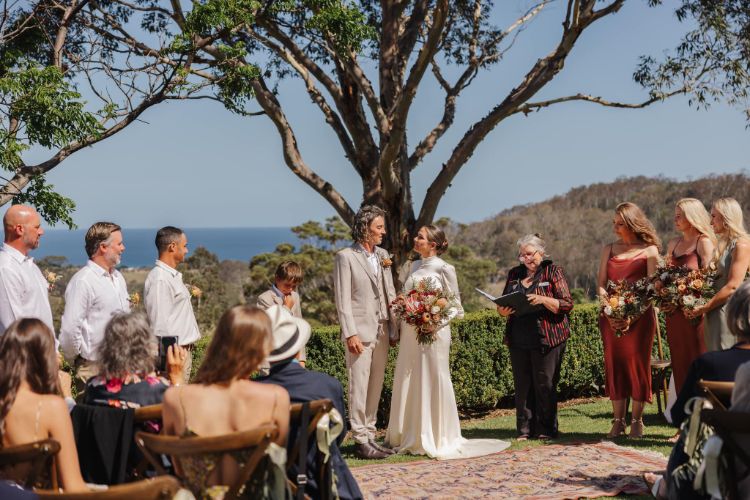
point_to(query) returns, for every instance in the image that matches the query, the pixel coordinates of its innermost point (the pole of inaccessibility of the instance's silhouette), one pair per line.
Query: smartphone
(164, 343)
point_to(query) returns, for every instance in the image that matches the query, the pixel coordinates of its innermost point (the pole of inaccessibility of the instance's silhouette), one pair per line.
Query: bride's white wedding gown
(424, 417)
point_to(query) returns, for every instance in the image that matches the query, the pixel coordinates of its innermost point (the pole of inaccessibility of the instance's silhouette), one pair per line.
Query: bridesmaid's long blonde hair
(638, 223)
(734, 226)
(698, 217)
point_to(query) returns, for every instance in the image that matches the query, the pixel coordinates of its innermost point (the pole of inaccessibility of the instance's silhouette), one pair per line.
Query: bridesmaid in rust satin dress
(693, 250)
(627, 359)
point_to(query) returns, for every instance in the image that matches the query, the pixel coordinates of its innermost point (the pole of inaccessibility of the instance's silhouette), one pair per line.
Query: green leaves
(43, 110)
(53, 207)
(344, 23)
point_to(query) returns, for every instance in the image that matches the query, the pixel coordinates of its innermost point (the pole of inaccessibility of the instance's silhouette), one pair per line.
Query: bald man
(23, 288)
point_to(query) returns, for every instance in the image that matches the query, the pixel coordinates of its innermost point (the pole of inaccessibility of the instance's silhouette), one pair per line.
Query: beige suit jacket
(269, 298)
(356, 294)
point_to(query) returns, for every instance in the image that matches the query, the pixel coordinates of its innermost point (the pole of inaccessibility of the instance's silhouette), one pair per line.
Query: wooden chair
(660, 369)
(146, 413)
(142, 415)
(255, 441)
(318, 408)
(730, 426)
(719, 393)
(158, 488)
(31, 465)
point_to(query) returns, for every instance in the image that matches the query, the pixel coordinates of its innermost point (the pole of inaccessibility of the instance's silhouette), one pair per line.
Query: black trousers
(535, 377)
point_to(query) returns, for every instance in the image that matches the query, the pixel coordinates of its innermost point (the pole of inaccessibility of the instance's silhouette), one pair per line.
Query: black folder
(516, 300)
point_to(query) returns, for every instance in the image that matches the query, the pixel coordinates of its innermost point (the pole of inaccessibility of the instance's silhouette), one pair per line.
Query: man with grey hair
(166, 297)
(93, 295)
(363, 290)
(23, 288)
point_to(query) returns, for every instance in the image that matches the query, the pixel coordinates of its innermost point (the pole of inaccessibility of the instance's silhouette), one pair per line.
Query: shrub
(480, 362)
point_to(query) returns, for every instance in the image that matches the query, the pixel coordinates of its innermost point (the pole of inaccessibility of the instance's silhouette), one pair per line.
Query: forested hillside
(576, 225)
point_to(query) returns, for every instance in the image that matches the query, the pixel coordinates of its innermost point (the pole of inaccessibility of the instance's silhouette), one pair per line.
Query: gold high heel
(618, 428)
(636, 428)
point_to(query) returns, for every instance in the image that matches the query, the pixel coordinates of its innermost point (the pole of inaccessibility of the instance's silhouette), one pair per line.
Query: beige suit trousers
(366, 373)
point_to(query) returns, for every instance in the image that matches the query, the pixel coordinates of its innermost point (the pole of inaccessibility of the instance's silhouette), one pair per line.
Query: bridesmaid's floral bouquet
(681, 287)
(625, 300)
(426, 307)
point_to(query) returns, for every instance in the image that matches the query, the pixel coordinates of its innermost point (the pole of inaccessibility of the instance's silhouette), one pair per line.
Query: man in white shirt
(167, 298)
(93, 295)
(23, 288)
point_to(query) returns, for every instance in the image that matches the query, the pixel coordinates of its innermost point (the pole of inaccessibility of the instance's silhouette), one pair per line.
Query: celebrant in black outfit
(536, 340)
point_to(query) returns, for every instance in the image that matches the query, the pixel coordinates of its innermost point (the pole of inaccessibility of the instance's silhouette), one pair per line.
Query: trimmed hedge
(480, 363)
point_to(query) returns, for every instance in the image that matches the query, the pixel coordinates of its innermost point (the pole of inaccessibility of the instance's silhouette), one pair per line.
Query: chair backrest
(734, 429)
(146, 413)
(719, 393)
(318, 408)
(158, 488)
(30, 465)
(255, 441)
(659, 344)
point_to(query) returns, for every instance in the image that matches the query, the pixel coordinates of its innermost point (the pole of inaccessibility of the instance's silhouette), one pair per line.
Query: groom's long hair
(362, 221)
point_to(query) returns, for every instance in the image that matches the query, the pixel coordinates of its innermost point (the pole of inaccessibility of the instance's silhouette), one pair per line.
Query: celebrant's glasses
(523, 257)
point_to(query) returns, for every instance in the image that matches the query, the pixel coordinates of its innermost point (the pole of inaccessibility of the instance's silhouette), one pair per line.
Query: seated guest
(31, 407)
(290, 334)
(283, 292)
(223, 399)
(741, 403)
(719, 366)
(127, 362)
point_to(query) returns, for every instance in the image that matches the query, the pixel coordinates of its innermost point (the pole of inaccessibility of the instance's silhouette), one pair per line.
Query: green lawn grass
(586, 420)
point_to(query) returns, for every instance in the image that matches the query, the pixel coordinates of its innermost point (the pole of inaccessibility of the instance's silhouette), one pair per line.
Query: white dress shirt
(92, 297)
(372, 258)
(23, 289)
(168, 305)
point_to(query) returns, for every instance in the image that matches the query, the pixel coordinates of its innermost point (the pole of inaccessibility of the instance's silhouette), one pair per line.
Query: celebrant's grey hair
(533, 240)
(362, 221)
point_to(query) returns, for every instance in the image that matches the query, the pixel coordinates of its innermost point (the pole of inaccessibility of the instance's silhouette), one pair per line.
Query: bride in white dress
(424, 416)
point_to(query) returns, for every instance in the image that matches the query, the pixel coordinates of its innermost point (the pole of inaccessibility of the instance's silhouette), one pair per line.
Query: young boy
(283, 292)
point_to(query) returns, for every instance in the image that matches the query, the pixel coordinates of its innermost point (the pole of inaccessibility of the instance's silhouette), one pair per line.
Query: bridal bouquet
(426, 307)
(681, 287)
(625, 300)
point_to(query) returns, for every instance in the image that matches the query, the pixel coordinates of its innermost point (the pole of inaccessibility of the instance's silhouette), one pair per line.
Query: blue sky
(195, 164)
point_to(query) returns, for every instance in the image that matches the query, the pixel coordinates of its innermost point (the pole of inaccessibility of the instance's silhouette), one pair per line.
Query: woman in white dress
(424, 416)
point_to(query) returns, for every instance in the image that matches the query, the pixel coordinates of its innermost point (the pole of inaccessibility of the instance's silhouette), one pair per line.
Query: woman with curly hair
(627, 359)
(31, 406)
(127, 377)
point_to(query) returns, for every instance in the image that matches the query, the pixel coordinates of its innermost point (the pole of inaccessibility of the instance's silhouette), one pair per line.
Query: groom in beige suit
(364, 288)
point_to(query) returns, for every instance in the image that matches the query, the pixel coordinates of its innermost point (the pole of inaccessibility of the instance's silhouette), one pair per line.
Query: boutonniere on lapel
(386, 261)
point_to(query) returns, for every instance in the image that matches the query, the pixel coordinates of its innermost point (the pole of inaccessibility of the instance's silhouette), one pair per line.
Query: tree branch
(541, 73)
(399, 112)
(292, 155)
(536, 106)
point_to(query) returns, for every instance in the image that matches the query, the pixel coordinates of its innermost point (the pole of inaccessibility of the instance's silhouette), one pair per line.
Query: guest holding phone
(127, 358)
(166, 297)
(537, 340)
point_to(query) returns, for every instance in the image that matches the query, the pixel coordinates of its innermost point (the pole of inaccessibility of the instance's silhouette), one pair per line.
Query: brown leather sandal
(618, 428)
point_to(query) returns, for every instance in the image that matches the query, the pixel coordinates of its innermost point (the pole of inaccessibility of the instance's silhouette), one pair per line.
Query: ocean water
(140, 251)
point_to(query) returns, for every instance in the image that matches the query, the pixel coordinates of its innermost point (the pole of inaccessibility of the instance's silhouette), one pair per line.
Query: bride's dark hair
(27, 352)
(437, 236)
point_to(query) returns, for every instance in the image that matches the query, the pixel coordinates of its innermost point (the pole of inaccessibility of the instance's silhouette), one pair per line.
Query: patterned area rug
(539, 473)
